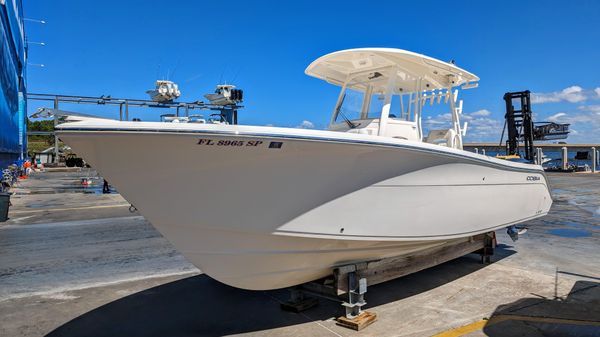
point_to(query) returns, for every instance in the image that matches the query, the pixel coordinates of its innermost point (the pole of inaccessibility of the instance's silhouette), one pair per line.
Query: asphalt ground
(76, 262)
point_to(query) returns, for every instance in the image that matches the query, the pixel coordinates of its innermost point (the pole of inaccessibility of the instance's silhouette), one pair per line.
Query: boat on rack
(267, 207)
(164, 92)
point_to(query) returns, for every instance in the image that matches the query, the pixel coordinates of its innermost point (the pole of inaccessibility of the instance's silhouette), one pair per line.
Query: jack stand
(298, 301)
(356, 318)
(356, 295)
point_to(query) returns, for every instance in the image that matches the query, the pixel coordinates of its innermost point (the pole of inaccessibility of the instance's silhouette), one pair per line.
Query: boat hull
(258, 210)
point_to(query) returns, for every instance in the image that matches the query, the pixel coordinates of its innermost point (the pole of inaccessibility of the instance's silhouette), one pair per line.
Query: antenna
(176, 65)
(236, 74)
(222, 74)
(193, 78)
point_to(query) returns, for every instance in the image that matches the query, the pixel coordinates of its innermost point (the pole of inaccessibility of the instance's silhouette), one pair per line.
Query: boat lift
(227, 112)
(351, 280)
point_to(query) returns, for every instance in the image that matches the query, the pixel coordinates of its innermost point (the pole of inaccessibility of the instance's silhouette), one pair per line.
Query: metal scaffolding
(227, 112)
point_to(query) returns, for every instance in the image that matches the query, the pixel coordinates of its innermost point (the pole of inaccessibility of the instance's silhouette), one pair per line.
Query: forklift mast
(519, 123)
(521, 128)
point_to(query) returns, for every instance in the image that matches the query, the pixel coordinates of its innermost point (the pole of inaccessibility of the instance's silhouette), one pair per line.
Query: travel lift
(350, 281)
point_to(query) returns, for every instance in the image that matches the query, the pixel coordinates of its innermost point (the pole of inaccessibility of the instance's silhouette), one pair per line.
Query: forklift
(522, 129)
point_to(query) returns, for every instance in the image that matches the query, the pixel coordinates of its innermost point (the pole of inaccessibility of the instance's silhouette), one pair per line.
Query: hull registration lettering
(222, 142)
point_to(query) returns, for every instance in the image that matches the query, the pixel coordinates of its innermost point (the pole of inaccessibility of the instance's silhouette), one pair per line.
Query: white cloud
(482, 113)
(589, 114)
(585, 118)
(438, 121)
(591, 108)
(484, 129)
(481, 126)
(571, 117)
(306, 125)
(555, 118)
(572, 94)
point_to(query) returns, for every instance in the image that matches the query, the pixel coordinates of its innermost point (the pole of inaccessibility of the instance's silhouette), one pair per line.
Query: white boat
(267, 207)
(225, 94)
(164, 91)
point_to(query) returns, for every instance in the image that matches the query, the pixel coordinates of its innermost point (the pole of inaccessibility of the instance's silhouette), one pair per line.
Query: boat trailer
(348, 283)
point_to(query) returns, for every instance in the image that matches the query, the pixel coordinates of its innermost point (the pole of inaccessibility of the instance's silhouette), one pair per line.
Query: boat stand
(348, 283)
(299, 301)
(355, 317)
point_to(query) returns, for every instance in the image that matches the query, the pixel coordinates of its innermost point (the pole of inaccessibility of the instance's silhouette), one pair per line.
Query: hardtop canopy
(364, 67)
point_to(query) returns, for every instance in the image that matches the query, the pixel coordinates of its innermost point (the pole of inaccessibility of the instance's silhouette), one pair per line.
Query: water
(569, 233)
(576, 209)
(555, 155)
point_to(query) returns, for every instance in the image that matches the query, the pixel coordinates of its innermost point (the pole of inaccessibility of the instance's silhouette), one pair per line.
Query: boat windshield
(396, 107)
(356, 105)
(384, 91)
(351, 106)
(377, 103)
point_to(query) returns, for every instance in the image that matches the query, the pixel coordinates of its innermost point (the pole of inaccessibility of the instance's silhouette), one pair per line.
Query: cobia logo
(533, 178)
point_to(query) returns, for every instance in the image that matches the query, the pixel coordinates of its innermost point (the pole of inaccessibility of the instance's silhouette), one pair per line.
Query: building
(13, 61)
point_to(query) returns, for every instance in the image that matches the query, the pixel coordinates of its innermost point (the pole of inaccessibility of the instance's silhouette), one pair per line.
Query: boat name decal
(533, 178)
(222, 142)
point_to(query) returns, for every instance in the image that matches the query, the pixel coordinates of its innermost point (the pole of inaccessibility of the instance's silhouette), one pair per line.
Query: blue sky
(120, 47)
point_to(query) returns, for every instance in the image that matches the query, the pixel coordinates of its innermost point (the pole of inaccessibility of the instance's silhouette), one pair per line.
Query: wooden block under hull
(359, 322)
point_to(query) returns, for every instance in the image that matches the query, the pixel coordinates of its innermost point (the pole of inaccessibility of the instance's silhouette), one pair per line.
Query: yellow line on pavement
(476, 326)
(463, 330)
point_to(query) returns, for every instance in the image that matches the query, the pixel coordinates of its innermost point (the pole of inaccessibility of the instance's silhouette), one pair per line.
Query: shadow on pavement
(199, 305)
(578, 314)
